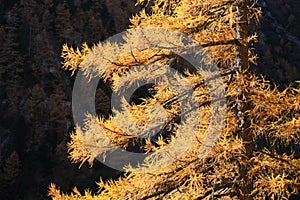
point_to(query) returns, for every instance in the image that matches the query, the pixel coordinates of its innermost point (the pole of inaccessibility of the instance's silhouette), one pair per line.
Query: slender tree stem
(243, 104)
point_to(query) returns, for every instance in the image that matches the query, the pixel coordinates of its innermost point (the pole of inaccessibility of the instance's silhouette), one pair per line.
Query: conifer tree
(58, 114)
(11, 60)
(63, 23)
(44, 49)
(35, 107)
(255, 156)
(10, 172)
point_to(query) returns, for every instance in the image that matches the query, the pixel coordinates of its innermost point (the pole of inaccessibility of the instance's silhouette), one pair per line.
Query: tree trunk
(243, 103)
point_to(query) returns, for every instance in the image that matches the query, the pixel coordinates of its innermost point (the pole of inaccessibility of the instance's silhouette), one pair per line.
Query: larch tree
(255, 154)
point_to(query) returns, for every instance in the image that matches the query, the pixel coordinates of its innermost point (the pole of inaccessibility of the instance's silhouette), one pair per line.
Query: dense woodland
(35, 92)
(35, 106)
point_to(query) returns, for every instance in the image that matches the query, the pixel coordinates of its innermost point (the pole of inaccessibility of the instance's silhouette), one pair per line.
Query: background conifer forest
(36, 122)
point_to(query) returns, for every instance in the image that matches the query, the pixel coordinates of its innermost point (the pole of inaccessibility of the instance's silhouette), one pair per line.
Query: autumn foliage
(256, 155)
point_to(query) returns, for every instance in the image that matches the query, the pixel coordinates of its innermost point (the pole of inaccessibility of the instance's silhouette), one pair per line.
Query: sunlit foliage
(265, 166)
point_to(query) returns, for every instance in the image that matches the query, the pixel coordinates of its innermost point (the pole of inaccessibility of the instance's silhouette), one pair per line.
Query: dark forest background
(35, 92)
